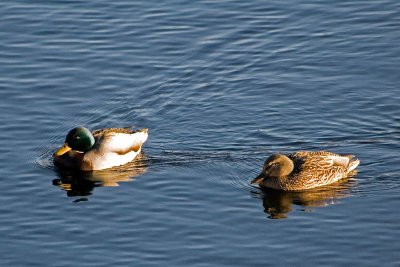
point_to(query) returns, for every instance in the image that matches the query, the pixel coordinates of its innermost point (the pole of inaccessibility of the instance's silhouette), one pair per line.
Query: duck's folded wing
(340, 161)
(122, 143)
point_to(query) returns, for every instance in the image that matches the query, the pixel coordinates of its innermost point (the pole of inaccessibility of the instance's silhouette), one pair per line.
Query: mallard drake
(304, 170)
(101, 149)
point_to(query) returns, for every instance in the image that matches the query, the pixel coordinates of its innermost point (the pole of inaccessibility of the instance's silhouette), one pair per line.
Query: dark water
(221, 85)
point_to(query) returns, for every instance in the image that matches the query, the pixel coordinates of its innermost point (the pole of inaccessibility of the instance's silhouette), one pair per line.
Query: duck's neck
(284, 168)
(287, 168)
(276, 182)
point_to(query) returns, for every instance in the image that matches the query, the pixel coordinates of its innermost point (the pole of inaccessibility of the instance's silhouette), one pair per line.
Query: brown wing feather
(127, 130)
(125, 151)
(315, 168)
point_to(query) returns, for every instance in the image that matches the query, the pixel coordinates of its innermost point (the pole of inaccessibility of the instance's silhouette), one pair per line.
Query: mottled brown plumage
(108, 131)
(305, 170)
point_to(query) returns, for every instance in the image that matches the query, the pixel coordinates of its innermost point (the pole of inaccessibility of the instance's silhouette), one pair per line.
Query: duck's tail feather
(354, 162)
(348, 161)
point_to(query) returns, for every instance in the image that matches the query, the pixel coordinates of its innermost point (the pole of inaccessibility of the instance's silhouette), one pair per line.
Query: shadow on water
(278, 204)
(81, 184)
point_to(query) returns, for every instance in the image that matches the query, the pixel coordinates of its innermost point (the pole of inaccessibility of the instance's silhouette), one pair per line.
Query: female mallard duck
(304, 170)
(101, 149)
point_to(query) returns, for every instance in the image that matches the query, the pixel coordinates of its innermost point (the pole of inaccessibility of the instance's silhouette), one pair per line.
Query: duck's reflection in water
(81, 184)
(278, 204)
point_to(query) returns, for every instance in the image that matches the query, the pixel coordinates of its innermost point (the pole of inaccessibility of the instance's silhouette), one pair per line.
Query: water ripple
(221, 85)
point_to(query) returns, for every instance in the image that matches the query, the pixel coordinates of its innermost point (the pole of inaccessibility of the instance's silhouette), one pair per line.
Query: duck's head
(79, 139)
(276, 166)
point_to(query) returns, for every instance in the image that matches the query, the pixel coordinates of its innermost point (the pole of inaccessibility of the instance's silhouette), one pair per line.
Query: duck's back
(312, 169)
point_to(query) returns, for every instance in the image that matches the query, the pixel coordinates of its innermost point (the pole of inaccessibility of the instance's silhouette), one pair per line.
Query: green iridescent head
(80, 139)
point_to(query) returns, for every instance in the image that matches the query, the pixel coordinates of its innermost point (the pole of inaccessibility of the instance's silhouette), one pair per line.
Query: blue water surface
(221, 85)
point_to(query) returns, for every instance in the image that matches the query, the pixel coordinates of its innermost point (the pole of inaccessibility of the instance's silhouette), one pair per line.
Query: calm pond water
(221, 85)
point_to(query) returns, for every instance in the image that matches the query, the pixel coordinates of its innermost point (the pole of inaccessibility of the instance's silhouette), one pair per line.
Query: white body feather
(114, 150)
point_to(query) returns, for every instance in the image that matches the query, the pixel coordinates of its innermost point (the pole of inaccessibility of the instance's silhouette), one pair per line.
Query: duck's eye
(269, 166)
(273, 165)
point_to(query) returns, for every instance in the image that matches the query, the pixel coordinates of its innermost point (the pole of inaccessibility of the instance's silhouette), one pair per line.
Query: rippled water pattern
(221, 85)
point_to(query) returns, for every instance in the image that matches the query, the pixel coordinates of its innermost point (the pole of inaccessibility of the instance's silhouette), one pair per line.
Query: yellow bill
(64, 149)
